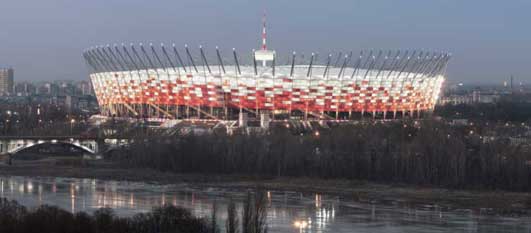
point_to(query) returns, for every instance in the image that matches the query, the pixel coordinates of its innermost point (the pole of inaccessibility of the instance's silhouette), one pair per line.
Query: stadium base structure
(165, 83)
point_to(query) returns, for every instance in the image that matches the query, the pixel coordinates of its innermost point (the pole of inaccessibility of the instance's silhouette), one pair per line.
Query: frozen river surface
(287, 212)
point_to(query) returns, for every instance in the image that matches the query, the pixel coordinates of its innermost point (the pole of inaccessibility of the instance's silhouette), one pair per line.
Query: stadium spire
(264, 35)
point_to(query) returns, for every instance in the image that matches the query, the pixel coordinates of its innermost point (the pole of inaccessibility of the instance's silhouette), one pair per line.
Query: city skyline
(44, 40)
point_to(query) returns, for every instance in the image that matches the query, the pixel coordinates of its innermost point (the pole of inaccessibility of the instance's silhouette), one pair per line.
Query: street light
(72, 125)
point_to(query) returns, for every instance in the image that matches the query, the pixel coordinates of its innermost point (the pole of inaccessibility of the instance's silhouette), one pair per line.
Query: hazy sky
(489, 39)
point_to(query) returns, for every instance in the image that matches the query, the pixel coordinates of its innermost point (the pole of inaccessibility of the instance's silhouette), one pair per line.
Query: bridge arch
(25, 146)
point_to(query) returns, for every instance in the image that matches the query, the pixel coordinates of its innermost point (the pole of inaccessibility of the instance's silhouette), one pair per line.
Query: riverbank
(483, 202)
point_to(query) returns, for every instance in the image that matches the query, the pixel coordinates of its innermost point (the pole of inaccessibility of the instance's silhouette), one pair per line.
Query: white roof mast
(263, 54)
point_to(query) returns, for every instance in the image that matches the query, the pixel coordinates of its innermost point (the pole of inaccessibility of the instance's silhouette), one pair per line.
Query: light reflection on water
(288, 211)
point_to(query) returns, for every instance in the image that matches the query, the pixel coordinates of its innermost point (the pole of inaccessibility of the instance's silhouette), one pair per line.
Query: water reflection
(288, 211)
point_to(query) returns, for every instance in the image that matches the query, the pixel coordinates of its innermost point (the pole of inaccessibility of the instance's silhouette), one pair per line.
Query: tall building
(6, 81)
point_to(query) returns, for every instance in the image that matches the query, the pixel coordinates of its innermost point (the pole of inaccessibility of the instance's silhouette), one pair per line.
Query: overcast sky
(489, 39)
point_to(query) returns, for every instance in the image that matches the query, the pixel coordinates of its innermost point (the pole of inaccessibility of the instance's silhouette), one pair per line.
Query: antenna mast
(263, 54)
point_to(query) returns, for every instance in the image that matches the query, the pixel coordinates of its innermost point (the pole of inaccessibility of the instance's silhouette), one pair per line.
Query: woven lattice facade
(140, 82)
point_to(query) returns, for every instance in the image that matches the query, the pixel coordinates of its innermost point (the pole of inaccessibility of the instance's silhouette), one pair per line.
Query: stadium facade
(178, 83)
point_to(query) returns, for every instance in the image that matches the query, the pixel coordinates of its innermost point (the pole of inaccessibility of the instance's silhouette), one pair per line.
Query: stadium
(158, 82)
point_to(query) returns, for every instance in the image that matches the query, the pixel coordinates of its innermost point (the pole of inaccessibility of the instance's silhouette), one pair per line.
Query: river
(287, 212)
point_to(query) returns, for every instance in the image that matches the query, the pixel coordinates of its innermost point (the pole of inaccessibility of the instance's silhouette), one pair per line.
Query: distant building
(24, 89)
(48, 89)
(44, 89)
(485, 97)
(6, 81)
(473, 97)
(65, 88)
(84, 88)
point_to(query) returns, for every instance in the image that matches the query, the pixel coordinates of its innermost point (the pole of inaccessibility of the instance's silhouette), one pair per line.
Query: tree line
(414, 152)
(16, 218)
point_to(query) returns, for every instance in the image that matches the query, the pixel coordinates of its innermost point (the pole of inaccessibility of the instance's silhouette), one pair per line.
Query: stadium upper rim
(122, 58)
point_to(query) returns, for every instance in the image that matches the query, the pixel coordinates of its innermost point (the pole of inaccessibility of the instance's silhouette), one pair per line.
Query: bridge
(14, 144)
